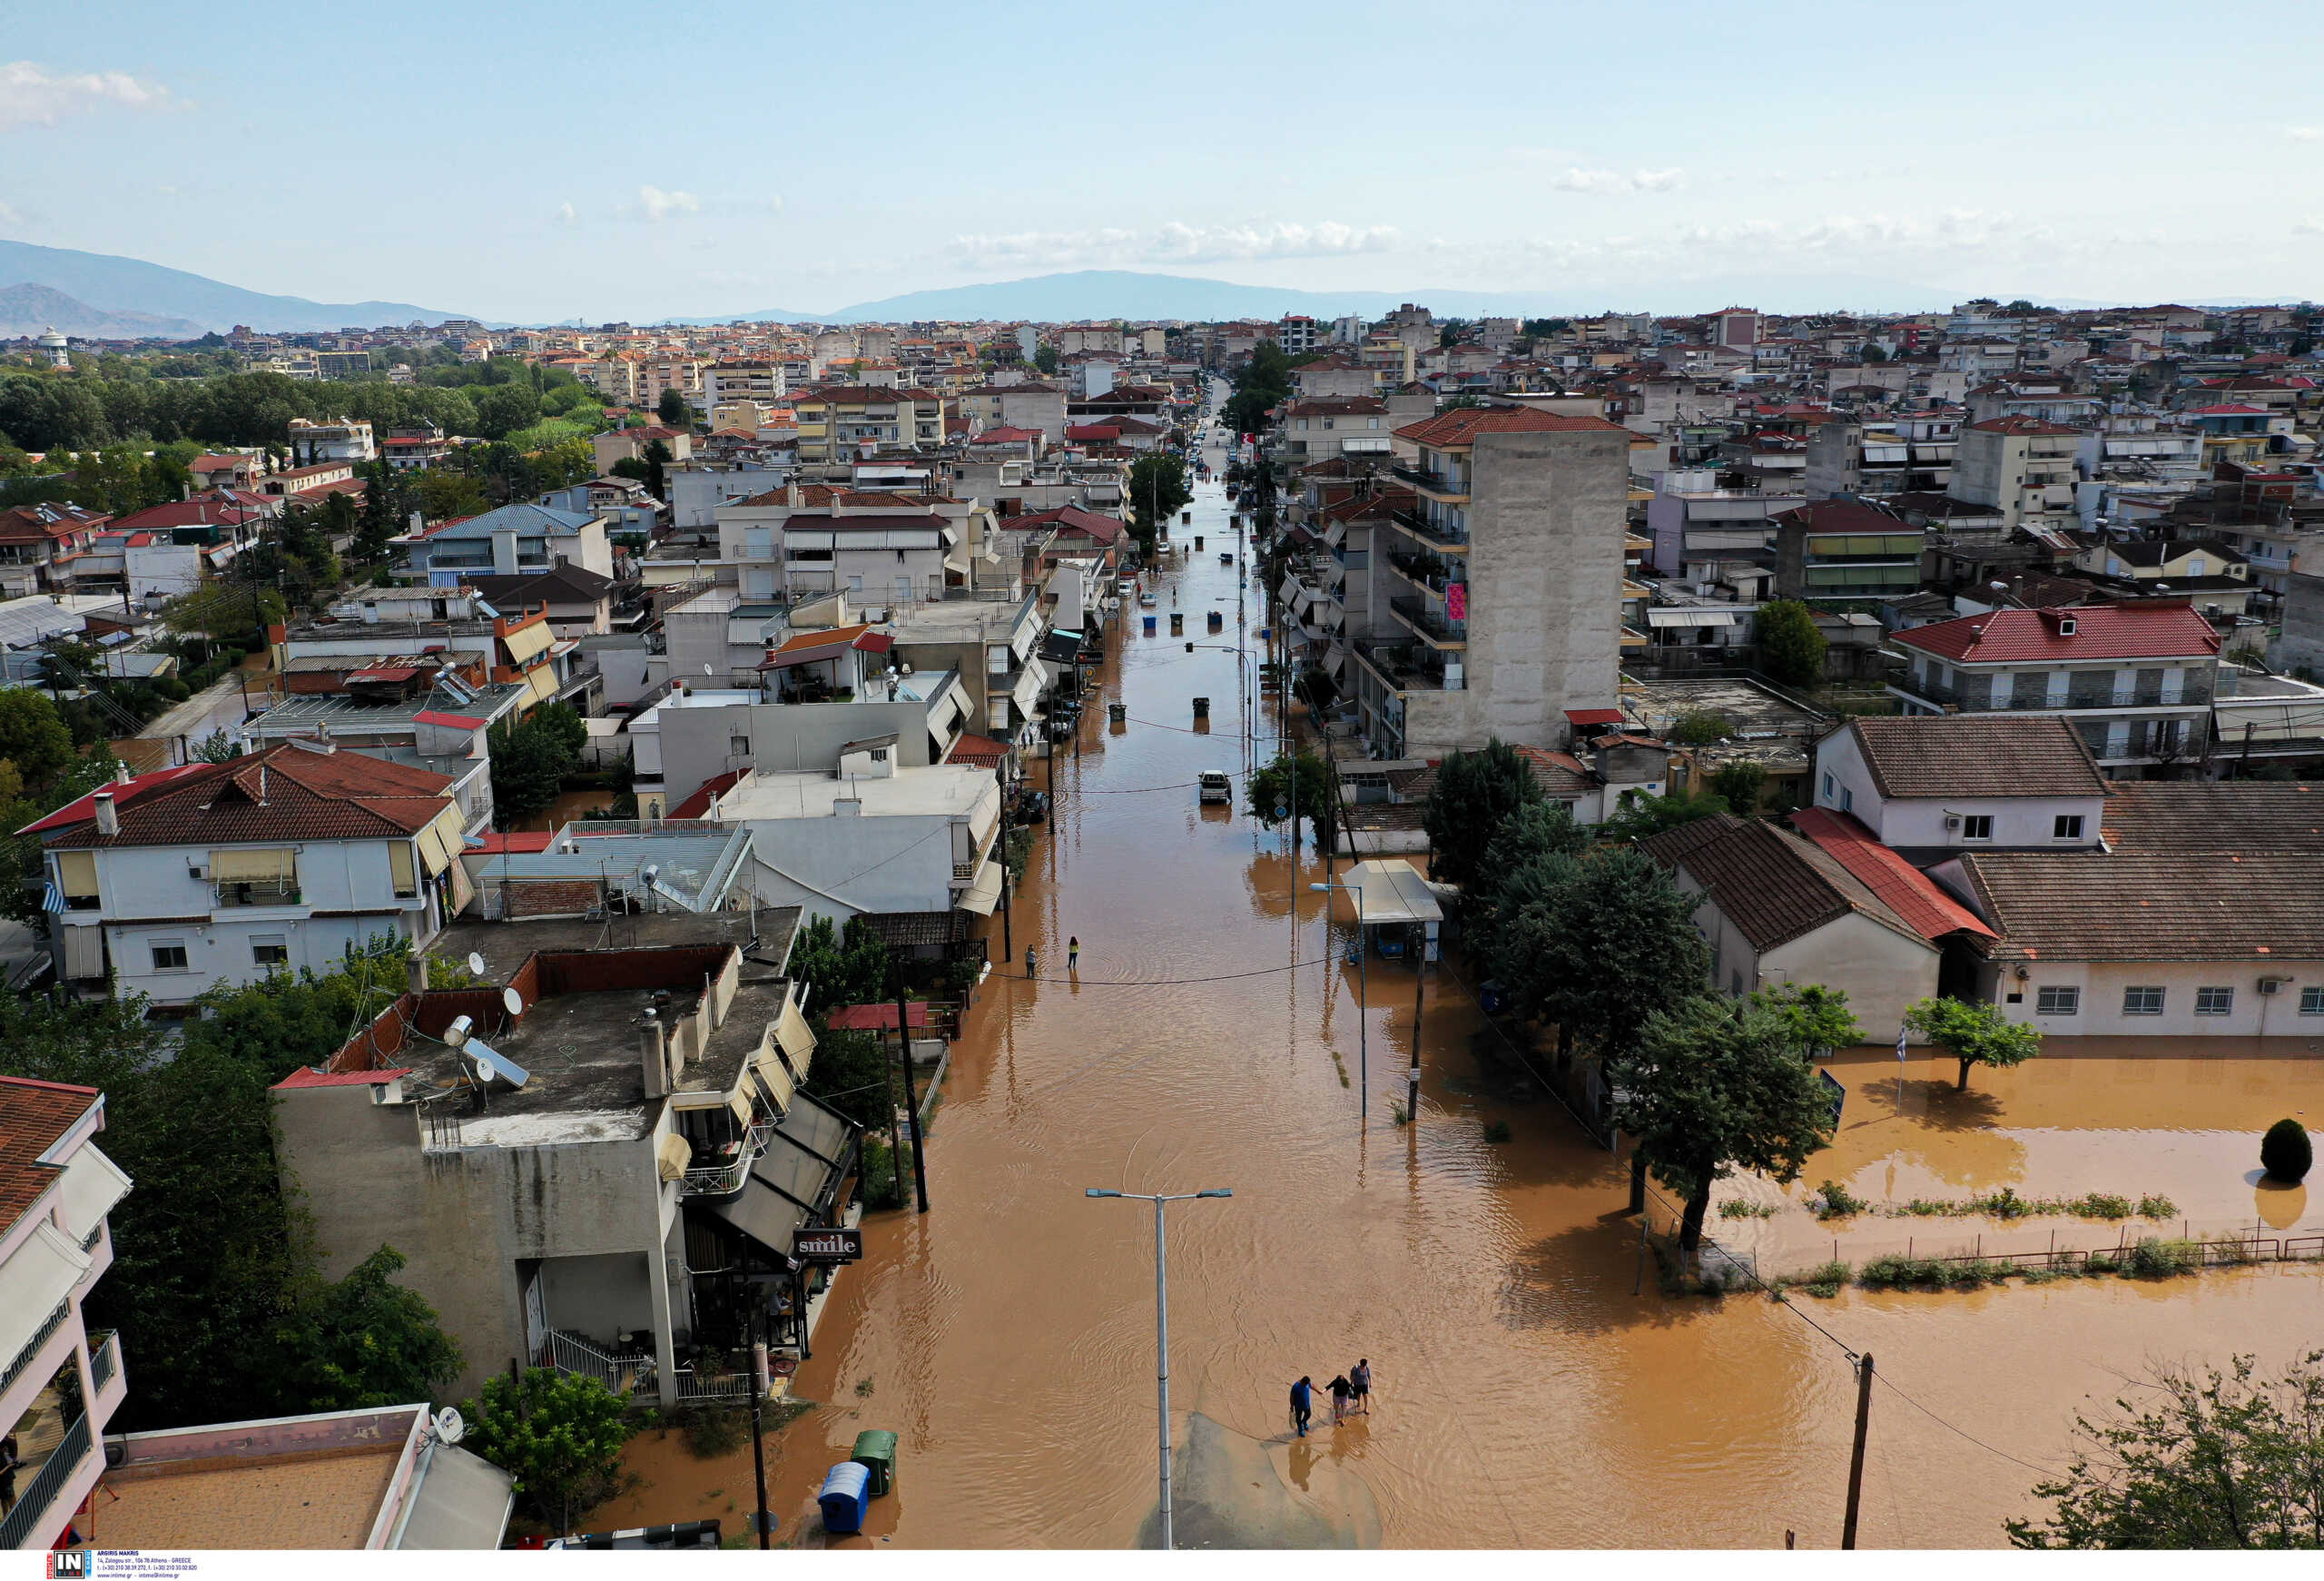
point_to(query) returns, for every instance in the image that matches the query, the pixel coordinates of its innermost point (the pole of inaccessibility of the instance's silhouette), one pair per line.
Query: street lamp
(1161, 1323)
(1363, 998)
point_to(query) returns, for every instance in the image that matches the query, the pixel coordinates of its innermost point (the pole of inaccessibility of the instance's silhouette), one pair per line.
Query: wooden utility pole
(1856, 1457)
(911, 1096)
(1419, 988)
(758, 1425)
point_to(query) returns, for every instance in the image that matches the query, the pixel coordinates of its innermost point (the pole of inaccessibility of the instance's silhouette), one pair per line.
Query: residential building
(335, 439)
(1319, 427)
(2024, 466)
(515, 540)
(2135, 679)
(38, 544)
(1844, 549)
(1930, 784)
(1034, 406)
(840, 422)
(557, 1173)
(1710, 536)
(1527, 506)
(173, 883)
(629, 444)
(62, 1384)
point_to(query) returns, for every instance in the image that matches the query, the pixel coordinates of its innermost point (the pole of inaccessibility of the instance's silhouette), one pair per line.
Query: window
(169, 955)
(2066, 826)
(1977, 827)
(2058, 1001)
(2215, 1002)
(738, 746)
(2311, 1001)
(1848, 800)
(2141, 1001)
(1828, 783)
(270, 949)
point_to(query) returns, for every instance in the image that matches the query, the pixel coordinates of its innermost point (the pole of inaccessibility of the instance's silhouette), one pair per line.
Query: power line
(1078, 982)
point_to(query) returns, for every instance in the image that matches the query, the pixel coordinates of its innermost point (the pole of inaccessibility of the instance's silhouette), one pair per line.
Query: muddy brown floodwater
(1525, 1396)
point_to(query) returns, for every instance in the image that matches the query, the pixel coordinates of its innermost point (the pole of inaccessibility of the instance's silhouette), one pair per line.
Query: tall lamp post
(1161, 1324)
(1363, 998)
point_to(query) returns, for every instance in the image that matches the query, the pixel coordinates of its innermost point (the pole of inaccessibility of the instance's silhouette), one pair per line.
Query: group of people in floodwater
(1351, 1392)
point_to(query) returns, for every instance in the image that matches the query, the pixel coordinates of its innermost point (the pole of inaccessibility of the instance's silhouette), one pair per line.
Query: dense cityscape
(617, 927)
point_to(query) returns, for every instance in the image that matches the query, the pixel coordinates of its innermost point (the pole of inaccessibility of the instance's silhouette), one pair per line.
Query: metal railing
(570, 1353)
(713, 1386)
(2043, 703)
(1426, 621)
(42, 1336)
(1430, 480)
(1420, 527)
(725, 1180)
(104, 1358)
(32, 1518)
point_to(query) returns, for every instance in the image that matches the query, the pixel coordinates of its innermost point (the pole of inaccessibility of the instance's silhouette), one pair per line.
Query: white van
(1216, 786)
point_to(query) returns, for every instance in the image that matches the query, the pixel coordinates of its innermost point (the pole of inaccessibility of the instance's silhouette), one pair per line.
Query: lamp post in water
(1363, 998)
(1161, 1324)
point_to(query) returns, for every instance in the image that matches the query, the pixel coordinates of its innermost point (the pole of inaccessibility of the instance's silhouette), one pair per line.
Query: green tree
(1713, 1086)
(285, 1021)
(1473, 792)
(1260, 385)
(854, 1072)
(530, 761)
(1738, 784)
(1818, 1017)
(362, 1340)
(674, 409)
(658, 456)
(216, 748)
(1045, 358)
(2285, 1151)
(1273, 786)
(20, 856)
(1868, 352)
(559, 1435)
(1536, 830)
(1597, 943)
(33, 736)
(2215, 1459)
(840, 968)
(1156, 490)
(1974, 1034)
(1700, 727)
(449, 496)
(1638, 816)
(1791, 648)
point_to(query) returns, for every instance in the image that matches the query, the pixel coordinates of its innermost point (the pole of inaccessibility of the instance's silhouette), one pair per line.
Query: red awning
(1593, 716)
(875, 1017)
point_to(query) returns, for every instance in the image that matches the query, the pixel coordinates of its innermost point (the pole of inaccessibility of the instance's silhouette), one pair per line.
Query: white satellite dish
(512, 1001)
(449, 1427)
(476, 962)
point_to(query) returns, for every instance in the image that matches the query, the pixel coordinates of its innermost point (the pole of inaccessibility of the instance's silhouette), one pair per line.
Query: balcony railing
(1425, 571)
(1405, 668)
(42, 1336)
(724, 1179)
(104, 1356)
(1420, 527)
(240, 894)
(1430, 481)
(1417, 615)
(33, 1520)
(2042, 703)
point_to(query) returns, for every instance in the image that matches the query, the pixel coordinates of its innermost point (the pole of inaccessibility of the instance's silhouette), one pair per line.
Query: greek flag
(52, 899)
(1900, 1045)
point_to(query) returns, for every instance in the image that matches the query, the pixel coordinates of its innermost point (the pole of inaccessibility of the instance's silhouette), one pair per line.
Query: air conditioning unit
(2272, 985)
(1952, 820)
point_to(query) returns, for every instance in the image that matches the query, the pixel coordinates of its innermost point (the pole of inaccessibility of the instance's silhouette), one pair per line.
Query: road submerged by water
(1526, 1396)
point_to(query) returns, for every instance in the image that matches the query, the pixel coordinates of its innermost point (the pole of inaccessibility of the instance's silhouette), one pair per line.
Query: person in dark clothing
(1359, 1380)
(9, 1461)
(1303, 1403)
(1032, 961)
(1340, 1390)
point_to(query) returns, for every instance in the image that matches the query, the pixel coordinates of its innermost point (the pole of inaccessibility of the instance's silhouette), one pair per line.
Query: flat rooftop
(688, 868)
(318, 1499)
(940, 790)
(303, 715)
(1656, 705)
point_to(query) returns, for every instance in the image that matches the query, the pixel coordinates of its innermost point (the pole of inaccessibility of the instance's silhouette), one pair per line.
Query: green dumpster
(875, 1451)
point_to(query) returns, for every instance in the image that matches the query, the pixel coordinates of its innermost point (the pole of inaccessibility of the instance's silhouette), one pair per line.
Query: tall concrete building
(1503, 582)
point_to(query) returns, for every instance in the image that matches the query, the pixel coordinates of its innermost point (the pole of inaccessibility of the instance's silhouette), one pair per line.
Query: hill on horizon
(131, 285)
(31, 309)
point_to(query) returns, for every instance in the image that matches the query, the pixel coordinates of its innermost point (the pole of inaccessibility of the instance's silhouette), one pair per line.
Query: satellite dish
(489, 1067)
(476, 962)
(449, 1427)
(512, 1001)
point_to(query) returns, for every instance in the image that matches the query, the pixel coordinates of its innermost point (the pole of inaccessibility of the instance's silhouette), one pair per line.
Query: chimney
(416, 971)
(108, 819)
(650, 1057)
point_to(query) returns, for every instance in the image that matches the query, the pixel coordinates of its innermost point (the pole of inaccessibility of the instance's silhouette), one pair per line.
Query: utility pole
(1419, 988)
(758, 1402)
(1161, 1326)
(1856, 1457)
(911, 1096)
(1364, 1003)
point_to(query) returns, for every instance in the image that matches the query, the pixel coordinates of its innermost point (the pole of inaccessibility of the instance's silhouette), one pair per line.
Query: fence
(570, 1353)
(31, 1517)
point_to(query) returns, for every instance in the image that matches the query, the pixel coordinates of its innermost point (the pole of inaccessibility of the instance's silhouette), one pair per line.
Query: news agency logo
(70, 1566)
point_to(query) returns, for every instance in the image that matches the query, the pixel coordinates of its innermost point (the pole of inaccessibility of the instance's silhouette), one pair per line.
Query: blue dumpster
(1150, 625)
(847, 1487)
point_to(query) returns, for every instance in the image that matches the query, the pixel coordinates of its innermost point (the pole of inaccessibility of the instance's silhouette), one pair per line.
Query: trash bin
(1178, 624)
(875, 1451)
(1202, 708)
(1197, 543)
(1216, 619)
(1150, 625)
(845, 1493)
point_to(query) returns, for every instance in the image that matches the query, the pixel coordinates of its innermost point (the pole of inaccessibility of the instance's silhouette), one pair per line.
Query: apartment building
(514, 540)
(62, 1384)
(836, 423)
(2024, 466)
(176, 882)
(1844, 549)
(38, 544)
(1525, 509)
(1040, 408)
(337, 440)
(2136, 679)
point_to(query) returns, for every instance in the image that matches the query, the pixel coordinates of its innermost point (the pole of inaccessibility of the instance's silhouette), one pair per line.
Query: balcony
(1427, 572)
(1428, 625)
(31, 1350)
(1402, 667)
(1442, 487)
(2040, 702)
(726, 1178)
(48, 1501)
(257, 894)
(1429, 533)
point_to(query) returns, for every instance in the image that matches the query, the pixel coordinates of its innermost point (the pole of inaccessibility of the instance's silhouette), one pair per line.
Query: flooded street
(1525, 1395)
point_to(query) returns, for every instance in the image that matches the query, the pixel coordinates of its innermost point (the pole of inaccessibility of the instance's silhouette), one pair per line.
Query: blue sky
(535, 161)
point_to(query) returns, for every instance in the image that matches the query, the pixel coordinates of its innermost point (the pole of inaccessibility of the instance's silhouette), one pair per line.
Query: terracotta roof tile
(2158, 817)
(1462, 427)
(2138, 907)
(2157, 629)
(1908, 892)
(285, 793)
(32, 1115)
(1774, 885)
(1975, 755)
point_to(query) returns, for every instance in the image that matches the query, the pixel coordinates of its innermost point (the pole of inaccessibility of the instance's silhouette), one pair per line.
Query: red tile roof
(2153, 628)
(1593, 716)
(289, 792)
(697, 806)
(1462, 427)
(310, 1077)
(978, 751)
(32, 1115)
(1908, 892)
(124, 793)
(875, 1017)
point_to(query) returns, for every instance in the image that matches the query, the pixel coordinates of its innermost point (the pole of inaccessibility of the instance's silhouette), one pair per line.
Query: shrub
(1837, 1202)
(714, 1430)
(2004, 1204)
(2101, 1205)
(2154, 1205)
(2285, 1153)
(2155, 1259)
(1826, 1280)
(1737, 1208)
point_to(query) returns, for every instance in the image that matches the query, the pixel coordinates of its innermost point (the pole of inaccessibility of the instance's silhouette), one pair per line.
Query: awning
(462, 1502)
(1593, 716)
(93, 1183)
(1388, 893)
(672, 1156)
(984, 893)
(1335, 660)
(803, 540)
(542, 679)
(268, 865)
(434, 855)
(796, 1039)
(1668, 617)
(77, 873)
(463, 886)
(1063, 647)
(42, 1272)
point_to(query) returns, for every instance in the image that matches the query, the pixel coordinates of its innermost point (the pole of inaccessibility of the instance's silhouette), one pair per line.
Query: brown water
(1526, 1396)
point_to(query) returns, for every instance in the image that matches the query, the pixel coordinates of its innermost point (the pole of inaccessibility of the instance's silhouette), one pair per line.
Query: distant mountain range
(131, 286)
(32, 309)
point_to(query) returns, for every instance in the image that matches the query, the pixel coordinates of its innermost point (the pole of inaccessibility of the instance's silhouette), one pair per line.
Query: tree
(1597, 944)
(20, 856)
(1473, 792)
(2215, 1460)
(284, 1021)
(1260, 385)
(854, 1072)
(1738, 784)
(530, 761)
(1791, 648)
(839, 969)
(33, 736)
(1045, 358)
(1713, 1086)
(363, 1340)
(1271, 787)
(216, 748)
(1974, 1034)
(658, 456)
(1639, 815)
(1700, 727)
(2285, 1153)
(1818, 1017)
(1869, 353)
(673, 409)
(1536, 830)
(558, 1434)
(1156, 490)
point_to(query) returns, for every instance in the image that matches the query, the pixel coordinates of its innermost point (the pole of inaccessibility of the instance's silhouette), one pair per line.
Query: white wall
(2102, 984)
(837, 866)
(1915, 823)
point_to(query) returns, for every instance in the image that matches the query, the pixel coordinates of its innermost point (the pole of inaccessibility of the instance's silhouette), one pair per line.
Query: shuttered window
(400, 864)
(263, 866)
(76, 874)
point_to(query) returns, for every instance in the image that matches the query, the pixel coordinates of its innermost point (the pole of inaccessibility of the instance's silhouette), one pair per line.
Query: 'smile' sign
(827, 1245)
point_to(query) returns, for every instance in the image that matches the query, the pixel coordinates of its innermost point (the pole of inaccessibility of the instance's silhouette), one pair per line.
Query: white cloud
(1174, 242)
(2305, 133)
(1574, 178)
(31, 95)
(661, 205)
(566, 214)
